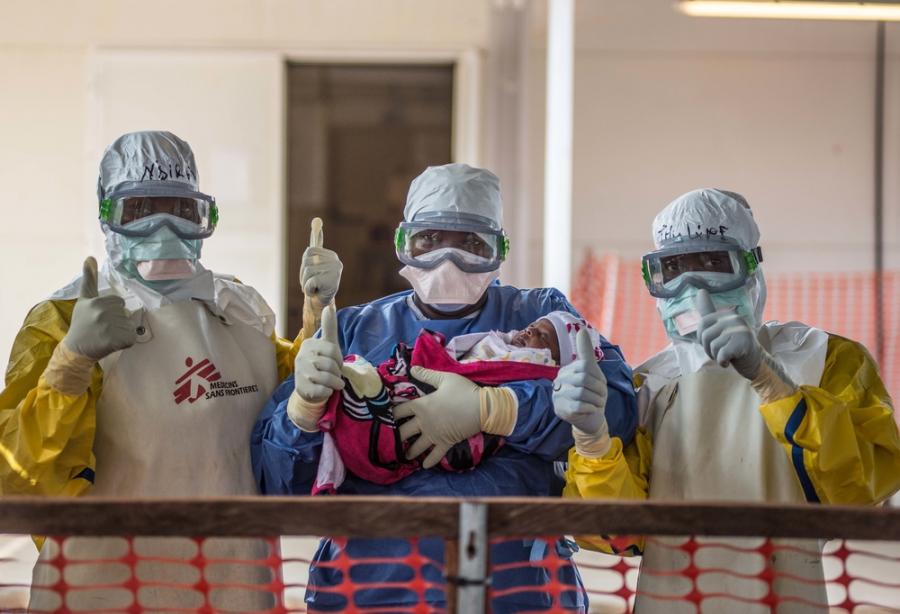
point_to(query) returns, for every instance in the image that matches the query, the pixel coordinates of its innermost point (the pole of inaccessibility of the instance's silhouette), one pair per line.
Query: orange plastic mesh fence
(737, 574)
(195, 576)
(742, 575)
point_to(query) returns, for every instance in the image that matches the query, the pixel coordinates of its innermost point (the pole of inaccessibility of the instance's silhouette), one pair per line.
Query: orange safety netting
(610, 293)
(738, 574)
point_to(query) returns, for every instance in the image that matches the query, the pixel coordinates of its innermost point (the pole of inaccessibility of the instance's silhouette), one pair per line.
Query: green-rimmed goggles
(141, 212)
(474, 248)
(714, 265)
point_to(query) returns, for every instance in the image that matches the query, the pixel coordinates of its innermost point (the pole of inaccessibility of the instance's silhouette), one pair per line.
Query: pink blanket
(360, 432)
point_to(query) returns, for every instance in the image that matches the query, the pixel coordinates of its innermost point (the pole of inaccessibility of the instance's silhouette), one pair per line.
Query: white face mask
(162, 270)
(446, 284)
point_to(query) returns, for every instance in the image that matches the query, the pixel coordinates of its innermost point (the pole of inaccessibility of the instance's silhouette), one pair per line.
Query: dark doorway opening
(357, 135)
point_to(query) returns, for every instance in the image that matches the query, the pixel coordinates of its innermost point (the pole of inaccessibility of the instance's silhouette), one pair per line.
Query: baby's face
(541, 335)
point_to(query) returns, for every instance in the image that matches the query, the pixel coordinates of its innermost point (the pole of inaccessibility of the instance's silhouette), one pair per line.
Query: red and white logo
(193, 379)
(204, 380)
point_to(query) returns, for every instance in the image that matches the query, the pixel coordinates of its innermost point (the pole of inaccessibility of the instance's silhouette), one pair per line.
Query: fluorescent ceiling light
(795, 9)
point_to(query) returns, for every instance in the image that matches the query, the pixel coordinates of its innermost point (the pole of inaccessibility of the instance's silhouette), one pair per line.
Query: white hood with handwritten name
(710, 214)
(152, 157)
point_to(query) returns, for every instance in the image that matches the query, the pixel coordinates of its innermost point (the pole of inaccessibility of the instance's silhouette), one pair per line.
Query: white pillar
(558, 148)
(506, 128)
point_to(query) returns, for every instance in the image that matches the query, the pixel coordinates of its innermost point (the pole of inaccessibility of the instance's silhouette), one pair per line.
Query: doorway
(357, 136)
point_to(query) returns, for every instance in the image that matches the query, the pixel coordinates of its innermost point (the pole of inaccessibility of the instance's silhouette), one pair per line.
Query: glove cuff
(305, 414)
(771, 382)
(590, 445)
(69, 372)
(312, 307)
(499, 410)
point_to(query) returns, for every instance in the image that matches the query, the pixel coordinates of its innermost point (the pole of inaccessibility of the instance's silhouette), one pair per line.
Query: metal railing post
(471, 577)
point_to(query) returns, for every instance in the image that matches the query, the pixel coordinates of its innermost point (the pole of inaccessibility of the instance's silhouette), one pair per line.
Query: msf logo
(190, 385)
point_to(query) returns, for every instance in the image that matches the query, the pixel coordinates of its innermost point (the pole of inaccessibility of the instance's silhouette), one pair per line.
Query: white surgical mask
(163, 270)
(447, 285)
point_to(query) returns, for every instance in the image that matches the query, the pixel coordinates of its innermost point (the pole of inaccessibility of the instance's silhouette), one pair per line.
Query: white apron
(710, 443)
(174, 420)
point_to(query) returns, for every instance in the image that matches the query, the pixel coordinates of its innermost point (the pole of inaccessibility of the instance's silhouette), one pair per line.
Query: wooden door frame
(466, 139)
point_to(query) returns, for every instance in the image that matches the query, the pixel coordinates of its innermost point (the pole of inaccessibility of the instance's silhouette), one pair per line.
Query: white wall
(42, 125)
(75, 75)
(229, 106)
(779, 111)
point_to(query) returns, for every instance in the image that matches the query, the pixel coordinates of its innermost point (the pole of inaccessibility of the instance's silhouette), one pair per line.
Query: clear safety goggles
(472, 248)
(716, 266)
(132, 213)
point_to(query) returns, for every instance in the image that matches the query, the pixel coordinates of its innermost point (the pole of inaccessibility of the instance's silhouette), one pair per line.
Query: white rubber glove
(728, 339)
(457, 409)
(579, 397)
(320, 275)
(100, 325)
(317, 374)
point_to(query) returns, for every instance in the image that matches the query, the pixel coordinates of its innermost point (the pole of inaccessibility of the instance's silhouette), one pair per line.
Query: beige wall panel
(228, 106)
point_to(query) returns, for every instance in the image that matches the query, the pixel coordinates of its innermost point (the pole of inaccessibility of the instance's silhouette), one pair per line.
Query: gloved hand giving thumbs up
(100, 325)
(320, 270)
(728, 339)
(579, 398)
(317, 374)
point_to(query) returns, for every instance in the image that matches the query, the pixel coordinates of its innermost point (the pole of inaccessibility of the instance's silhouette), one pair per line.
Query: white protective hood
(155, 159)
(701, 213)
(454, 189)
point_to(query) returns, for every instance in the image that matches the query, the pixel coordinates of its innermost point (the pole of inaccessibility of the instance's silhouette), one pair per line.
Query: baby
(549, 340)
(360, 434)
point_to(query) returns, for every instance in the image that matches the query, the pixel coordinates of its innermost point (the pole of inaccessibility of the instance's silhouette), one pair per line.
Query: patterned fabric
(360, 418)
(567, 326)
(495, 345)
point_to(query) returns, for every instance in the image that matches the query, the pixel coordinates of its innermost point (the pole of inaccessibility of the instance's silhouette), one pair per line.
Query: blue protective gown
(285, 458)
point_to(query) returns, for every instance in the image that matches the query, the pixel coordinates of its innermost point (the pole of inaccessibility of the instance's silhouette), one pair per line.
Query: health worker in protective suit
(144, 380)
(733, 410)
(451, 244)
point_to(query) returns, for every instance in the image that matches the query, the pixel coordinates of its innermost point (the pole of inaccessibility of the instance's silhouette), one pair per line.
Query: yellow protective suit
(840, 436)
(46, 437)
